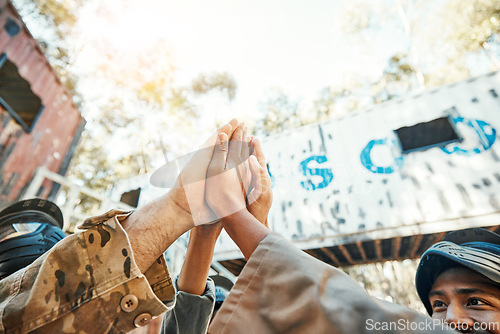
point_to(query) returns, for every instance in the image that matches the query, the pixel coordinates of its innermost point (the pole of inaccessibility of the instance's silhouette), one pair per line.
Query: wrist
(236, 218)
(173, 210)
(206, 233)
(153, 228)
(230, 207)
(245, 230)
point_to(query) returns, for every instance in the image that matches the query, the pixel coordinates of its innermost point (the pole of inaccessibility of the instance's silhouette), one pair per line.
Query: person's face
(462, 298)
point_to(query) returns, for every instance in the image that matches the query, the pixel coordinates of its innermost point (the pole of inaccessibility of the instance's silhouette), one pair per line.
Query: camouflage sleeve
(87, 283)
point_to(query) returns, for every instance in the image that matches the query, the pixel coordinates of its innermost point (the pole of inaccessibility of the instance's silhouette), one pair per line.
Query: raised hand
(225, 191)
(155, 226)
(226, 194)
(188, 191)
(260, 197)
(236, 180)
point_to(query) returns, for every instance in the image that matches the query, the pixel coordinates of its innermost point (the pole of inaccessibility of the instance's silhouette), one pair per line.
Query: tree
(281, 113)
(50, 21)
(138, 113)
(473, 26)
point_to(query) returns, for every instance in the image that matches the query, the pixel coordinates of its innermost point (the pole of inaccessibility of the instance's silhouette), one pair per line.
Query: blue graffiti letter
(325, 173)
(366, 159)
(485, 132)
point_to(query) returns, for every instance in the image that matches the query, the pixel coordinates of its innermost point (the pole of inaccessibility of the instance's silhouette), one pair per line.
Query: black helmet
(475, 248)
(222, 287)
(27, 230)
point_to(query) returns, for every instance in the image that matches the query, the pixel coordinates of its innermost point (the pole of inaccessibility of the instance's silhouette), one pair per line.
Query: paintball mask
(28, 229)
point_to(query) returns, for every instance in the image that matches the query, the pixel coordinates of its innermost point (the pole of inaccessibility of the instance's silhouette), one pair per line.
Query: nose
(458, 318)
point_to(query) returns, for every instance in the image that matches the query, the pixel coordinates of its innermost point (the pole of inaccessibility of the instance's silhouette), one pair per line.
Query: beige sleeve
(284, 290)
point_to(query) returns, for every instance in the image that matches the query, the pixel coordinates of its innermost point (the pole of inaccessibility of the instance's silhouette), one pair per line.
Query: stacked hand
(239, 184)
(238, 180)
(260, 197)
(188, 193)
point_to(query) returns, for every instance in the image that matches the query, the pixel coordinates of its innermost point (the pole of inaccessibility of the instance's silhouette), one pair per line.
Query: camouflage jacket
(87, 283)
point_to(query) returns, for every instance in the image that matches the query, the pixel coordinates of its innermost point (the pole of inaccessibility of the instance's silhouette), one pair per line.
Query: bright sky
(295, 45)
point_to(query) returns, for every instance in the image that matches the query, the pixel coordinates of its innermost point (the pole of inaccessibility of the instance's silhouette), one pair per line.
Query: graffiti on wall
(482, 138)
(477, 136)
(353, 175)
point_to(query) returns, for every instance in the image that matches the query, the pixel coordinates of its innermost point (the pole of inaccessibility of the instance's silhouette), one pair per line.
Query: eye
(476, 302)
(438, 305)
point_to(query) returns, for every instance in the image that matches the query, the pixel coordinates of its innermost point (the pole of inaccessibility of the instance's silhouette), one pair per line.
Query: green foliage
(111, 118)
(91, 164)
(280, 114)
(140, 101)
(50, 21)
(223, 82)
(61, 12)
(442, 36)
(473, 23)
(153, 92)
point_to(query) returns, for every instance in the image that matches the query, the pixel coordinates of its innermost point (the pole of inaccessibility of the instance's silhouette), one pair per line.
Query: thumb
(257, 175)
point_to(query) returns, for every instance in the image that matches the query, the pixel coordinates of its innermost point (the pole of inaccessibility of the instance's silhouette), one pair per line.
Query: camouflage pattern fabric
(87, 283)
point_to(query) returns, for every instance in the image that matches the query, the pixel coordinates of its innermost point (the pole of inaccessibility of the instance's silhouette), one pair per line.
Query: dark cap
(475, 248)
(34, 205)
(222, 287)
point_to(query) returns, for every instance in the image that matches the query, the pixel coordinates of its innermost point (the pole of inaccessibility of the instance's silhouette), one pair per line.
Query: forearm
(245, 230)
(154, 227)
(86, 268)
(199, 254)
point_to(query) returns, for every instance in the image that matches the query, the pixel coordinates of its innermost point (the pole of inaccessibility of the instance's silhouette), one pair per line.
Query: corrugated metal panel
(345, 183)
(56, 126)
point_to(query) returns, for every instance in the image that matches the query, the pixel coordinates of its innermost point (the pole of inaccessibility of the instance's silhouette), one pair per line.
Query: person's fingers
(234, 124)
(221, 151)
(238, 133)
(243, 164)
(258, 153)
(218, 162)
(234, 158)
(257, 176)
(250, 145)
(245, 148)
(227, 128)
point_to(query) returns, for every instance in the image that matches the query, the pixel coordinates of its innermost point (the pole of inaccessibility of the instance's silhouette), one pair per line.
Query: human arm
(89, 280)
(199, 254)
(227, 189)
(284, 290)
(154, 227)
(111, 276)
(195, 292)
(192, 312)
